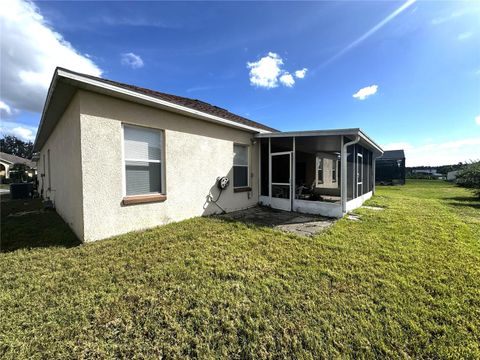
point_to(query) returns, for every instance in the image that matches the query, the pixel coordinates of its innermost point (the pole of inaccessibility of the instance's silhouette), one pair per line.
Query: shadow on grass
(25, 225)
(466, 201)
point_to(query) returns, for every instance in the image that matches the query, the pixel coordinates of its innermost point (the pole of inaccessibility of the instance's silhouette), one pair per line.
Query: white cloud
(287, 79)
(267, 72)
(132, 60)
(397, 146)
(21, 131)
(133, 21)
(464, 36)
(437, 153)
(301, 73)
(452, 16)
(5, 110)
(370, 32)
(477, 119)
(365, 92)
(30, 51)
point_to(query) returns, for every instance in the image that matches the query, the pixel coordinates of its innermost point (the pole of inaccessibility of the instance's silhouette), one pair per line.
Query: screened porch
(303, 172)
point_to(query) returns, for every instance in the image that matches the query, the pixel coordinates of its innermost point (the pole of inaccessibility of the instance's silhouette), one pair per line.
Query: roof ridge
(194, 104)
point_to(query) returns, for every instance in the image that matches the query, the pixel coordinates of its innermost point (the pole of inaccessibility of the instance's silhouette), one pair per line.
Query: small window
(143, 160)
(334, 171)
(240, 166)
(49, 171)
(359, 169)
(319, 170)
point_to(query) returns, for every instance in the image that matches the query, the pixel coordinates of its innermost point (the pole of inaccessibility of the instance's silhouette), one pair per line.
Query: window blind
(143, 160)
(240, 165)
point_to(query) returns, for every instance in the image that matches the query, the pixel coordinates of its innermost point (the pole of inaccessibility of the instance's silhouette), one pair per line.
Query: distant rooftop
(13, 159)
(393, 154)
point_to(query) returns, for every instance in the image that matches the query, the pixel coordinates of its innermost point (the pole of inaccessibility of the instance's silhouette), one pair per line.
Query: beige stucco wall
(196, 153)
(65, 168)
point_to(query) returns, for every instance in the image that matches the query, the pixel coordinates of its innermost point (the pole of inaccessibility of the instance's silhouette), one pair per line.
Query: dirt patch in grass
(291, 222)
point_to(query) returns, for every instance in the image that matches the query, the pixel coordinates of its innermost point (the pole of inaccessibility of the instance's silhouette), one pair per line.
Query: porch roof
(364, 139)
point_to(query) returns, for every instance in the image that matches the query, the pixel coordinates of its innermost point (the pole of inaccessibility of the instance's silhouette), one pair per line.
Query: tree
(19, 173)
(469, 177)
(14, 146)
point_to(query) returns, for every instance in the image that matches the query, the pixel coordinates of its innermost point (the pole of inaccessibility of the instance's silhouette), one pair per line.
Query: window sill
(242, 189)
(143, 199)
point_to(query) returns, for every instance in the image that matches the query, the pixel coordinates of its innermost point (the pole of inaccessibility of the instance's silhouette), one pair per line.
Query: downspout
(344, 172)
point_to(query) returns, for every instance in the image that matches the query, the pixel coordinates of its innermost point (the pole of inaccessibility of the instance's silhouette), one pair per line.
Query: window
(359, 169)
(240, 166)
(49, 171)
(334, 170)
(143, 160)
(319, 170)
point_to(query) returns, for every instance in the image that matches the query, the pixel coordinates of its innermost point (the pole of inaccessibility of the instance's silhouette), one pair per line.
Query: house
(429, 172)
(452, 175)
(8, 160)
(115, 158)
(425, 171)
(390, 168)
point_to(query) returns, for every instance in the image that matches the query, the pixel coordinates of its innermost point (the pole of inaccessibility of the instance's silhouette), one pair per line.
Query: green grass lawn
(399, 283)
(24, 224)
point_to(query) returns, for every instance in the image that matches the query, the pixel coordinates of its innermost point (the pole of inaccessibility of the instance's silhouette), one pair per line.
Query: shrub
(19, 173)
(469, 177)
(420, 176)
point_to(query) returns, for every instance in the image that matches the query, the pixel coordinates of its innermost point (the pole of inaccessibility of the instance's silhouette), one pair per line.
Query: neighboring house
(452, 175)
(390, 168)
(7, 161)
(114, 158)
(427, 171)
(431, 172)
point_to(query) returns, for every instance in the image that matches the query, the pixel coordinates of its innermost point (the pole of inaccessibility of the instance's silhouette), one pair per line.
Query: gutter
(51, 89)
(344, 172)
(331, 132)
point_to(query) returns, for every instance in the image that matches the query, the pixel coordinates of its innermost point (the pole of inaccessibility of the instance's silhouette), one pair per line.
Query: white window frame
(49, 171)
(360, 168)
(247, 166)
(319, 159)
(161, 161)
(335, 171)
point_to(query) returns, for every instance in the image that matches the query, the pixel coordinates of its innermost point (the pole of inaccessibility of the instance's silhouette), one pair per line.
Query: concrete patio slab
(296, 223)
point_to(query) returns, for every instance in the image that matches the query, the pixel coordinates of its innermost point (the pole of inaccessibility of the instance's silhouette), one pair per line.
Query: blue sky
(418, 63)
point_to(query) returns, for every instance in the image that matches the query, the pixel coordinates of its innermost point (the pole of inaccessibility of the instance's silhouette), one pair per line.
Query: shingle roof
(187, 102)
(13, 159)
(393, 154)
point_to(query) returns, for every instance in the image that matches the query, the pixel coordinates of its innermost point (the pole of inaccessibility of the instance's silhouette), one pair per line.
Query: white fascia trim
(371, 142)
(309, 133)
(53, 83)
(332, 132)
(155, 100)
